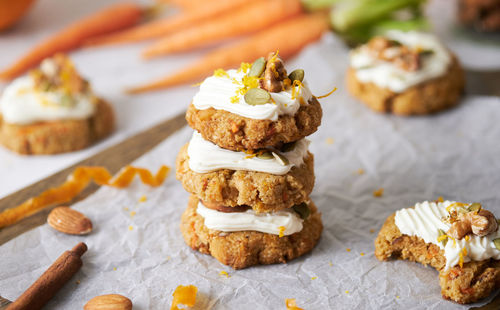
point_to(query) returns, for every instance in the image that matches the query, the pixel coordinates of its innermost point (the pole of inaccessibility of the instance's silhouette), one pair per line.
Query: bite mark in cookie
(469, 267)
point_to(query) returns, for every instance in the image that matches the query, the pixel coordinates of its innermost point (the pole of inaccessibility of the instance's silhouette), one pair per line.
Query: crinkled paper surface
(454, 154)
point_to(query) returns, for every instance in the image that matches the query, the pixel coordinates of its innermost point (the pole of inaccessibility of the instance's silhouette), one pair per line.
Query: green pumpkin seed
(287, 147)
(265, 155)
(257, 96)
(441, 232)
(496, 242)
(281, 159)
(474, 207)
(303, 210)
(257, 67)
(426, 53)
(297, 74)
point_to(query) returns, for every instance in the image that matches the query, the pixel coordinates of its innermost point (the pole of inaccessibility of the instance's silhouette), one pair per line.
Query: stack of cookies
(248, 167)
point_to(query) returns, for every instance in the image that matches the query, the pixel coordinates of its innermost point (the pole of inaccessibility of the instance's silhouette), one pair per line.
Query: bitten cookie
(243, 249)
(405, 74)
(52, 110)
(262, 191)
(461, 281)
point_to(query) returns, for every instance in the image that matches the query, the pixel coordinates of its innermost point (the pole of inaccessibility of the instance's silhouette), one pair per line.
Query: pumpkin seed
(265, 155)
(303, 210)
(287, 147)
(257, 67)
(496, 242)
(257, 96)
(297, 74)
(426, 53)
(474, 207)
(441, 232)
(281, 159)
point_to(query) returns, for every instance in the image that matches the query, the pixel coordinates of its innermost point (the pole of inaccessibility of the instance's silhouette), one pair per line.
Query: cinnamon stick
(49, 283)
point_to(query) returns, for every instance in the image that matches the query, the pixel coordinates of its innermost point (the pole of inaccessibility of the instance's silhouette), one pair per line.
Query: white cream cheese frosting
(22, 104)
(370, 69)
(426, 218)
(287, 221)
(216, 92)
(205, 156)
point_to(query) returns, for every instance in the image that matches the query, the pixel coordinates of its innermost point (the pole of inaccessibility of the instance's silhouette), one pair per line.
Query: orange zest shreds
(378, 193)
(456, 205)
(235, 99)
(442, 237)
(291, 304)
(464, 250)
(132, 213)
(185, 295)
(244, 67)
(347, 292)
(326, 95)
(362, 254)
(224, 273)
(143, 198)
(282, 231)
(75, 184)
(196, 84)
(220, 73)
(314, 278)
(296, 87)
(348, 250)
(440, 199)
(372, 231)
(467, 237)
(330, 264)
(131, 227)
(360, 171)
(461, 259)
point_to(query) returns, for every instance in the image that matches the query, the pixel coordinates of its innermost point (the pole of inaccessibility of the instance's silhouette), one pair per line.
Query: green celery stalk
(314, 5)
(419, 23)
(353, 13)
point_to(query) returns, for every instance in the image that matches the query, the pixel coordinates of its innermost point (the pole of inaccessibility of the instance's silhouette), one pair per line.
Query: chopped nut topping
(479, 222)
(274, 74)
(393, 51)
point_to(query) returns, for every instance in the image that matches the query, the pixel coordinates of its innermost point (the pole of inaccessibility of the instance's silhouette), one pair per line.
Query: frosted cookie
(243, 239)
(255, 106)
(266, 180)
(405, 73)
(460, 240)
(52, 110)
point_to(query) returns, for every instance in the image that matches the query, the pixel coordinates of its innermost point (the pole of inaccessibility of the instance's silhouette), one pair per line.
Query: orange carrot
(287, 37)
(246, 19)
(113, 18)
(161, 27)
(187, 4)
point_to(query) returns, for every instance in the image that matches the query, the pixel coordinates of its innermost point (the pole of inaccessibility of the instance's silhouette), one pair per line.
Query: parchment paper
(454, 154)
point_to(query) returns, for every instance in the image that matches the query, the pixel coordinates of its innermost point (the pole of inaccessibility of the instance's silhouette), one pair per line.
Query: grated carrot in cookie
(75, 184)
(185, 295)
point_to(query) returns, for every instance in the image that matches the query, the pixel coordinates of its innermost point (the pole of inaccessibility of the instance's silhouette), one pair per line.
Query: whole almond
(69, 221)
(108, 302)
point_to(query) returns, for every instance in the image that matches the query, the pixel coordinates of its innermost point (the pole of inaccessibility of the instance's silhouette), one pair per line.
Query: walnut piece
(479, 223)
(395, 52)
(274, 74)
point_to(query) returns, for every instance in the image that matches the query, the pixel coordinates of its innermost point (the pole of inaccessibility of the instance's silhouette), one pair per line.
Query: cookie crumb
(77, 282)
(143, 198)
(329, 141)
(372, 231)
(379, 192)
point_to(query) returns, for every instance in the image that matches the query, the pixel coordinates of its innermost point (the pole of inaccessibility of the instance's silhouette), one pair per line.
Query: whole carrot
(161, 27)
(287, 37)
(246, 19)
(111, 19)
